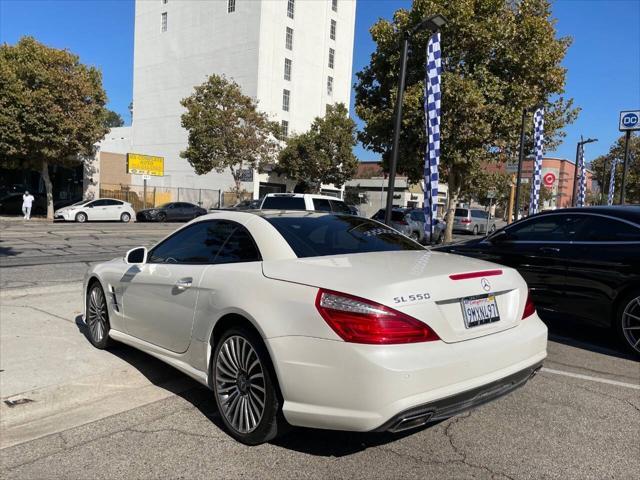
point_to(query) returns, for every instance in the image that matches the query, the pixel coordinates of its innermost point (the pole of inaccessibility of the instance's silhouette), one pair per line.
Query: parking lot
(84, 413)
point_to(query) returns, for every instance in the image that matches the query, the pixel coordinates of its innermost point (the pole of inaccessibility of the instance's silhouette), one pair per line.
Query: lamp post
(433, 23)
(521, 158)
(579, 148)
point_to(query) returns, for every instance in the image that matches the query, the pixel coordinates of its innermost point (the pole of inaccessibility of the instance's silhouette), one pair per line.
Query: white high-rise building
(293, 56)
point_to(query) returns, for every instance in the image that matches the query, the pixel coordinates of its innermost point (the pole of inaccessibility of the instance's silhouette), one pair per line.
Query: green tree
(51, 109)
(616, 152)
(499, 57)
(226, 131)
(324, 154)
(113, 119)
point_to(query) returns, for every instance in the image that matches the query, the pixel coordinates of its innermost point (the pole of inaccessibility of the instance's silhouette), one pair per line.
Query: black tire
(244, 392)
(162, 217)
(125, 217)
(475, 230)
(97, 317)
(415, 236)
(81, 217)
(628, 321)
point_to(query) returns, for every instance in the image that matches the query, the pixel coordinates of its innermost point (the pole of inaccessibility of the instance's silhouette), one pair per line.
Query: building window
(334, 5)
(332, 31)
(286, 95)
(329, 86)
(287, 69)
(288, 43)
(231, 6)
(164, 21)
(284, 129)
(290, 8)
(332, 57)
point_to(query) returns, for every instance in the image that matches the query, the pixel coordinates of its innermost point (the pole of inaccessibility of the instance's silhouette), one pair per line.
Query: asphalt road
(123, 414)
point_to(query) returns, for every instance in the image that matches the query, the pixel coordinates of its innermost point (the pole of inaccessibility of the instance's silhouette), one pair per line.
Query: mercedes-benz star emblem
(486, 286)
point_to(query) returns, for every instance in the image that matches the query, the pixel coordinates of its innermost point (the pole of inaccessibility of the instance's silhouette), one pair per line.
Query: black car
(580, 263)
(170, 212)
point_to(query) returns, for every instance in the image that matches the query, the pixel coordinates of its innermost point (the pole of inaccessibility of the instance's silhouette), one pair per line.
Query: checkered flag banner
(582, 186)
(432, 97)
(612, 181)
(538, 139)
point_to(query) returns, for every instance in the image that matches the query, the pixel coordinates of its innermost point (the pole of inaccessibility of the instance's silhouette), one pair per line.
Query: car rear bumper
(462, 227)
(342, 386)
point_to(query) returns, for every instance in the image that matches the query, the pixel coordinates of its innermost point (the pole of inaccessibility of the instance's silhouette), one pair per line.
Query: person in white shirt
(27, 203)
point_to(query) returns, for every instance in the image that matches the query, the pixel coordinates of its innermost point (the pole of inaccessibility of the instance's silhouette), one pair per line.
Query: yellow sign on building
(145, 164)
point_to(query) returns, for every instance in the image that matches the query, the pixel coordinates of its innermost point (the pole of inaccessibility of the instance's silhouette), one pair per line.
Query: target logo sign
(549, 179)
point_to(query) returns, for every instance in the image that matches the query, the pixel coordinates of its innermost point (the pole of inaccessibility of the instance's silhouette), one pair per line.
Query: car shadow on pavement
(324, 443)
(587, 337)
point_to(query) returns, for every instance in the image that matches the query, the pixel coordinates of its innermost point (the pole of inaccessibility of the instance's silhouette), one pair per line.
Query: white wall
(248, 46)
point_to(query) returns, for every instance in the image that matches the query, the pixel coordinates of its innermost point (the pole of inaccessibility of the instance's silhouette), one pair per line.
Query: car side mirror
(499, 237)
(136, 256)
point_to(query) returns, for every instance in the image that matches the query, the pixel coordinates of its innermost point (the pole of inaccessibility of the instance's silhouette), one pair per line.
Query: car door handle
(549, 250)
(184, 283)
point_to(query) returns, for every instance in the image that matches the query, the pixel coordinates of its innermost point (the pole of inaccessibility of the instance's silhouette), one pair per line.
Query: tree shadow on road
(324, 443)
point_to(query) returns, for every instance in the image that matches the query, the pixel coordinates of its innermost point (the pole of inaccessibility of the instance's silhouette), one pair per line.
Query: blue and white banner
(538, 140)
(432, 96)
(582, 186)
(612, 181)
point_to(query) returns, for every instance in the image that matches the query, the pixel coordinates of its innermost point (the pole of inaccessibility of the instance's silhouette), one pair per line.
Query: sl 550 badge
(411, 298)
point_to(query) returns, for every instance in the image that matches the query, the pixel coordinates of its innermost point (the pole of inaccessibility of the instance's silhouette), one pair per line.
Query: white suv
(304, 201)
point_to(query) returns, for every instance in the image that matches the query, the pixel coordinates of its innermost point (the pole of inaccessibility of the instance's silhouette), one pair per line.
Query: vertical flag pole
(612, 181)
(538, 139)
(583, 180)
(432, 97)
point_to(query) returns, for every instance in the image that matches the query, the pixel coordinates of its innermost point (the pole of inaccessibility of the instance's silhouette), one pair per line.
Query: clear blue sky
(603, 62)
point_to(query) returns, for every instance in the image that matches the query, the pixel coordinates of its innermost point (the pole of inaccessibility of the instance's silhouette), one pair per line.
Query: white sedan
(319, 320)
(102, 209)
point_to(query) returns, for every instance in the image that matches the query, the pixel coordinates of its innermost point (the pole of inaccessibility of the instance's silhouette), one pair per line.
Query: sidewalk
(47, 362)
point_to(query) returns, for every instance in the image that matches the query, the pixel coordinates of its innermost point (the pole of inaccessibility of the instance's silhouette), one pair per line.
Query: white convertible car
(319, 320)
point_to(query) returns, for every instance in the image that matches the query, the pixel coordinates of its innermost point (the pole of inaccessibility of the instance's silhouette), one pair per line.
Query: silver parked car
(401, 220)
(469, 220)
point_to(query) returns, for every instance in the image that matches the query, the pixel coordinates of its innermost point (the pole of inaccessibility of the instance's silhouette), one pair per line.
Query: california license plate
(479, 310)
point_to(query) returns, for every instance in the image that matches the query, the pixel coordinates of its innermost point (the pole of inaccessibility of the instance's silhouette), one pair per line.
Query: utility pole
(627, 137)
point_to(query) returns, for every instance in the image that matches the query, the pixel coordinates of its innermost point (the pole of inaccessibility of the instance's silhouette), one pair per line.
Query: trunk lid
(417, 283)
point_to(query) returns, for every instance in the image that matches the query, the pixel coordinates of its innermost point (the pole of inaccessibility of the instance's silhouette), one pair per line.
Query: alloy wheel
(631, 323)
(97, 314)
(125, 217)
(240, 384)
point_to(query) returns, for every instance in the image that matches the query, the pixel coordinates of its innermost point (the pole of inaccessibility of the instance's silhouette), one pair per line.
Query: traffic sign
(549, 179)
(511, 167)
(629, 120)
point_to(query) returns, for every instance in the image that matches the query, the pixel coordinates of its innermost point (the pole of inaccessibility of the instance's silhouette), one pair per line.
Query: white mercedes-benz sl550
(319, 320)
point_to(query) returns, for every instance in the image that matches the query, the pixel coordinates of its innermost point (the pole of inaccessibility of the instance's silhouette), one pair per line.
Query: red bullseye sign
(548, 179)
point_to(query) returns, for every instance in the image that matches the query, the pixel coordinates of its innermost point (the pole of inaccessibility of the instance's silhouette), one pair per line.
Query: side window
(98, 203)
(603, 229)
(110, 203)
(196, 244)
(417, 216)
(339, 206)
(321, 204)
(547, 228)
(379, 215)
(239, 247)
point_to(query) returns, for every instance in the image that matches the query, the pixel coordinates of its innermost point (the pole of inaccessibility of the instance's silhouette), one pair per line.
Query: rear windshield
(461, 212)
(338, 235)
(284, 203)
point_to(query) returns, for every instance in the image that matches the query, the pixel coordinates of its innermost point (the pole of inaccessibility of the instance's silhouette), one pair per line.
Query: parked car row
(410, 221)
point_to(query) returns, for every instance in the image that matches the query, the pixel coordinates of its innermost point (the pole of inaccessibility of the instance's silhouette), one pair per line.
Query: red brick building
(557, 174)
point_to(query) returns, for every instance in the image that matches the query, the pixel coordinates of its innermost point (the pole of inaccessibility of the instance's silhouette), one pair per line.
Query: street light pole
(396, 129)
(623, 187)
(579, 148)
(433, 23)
(520, 159)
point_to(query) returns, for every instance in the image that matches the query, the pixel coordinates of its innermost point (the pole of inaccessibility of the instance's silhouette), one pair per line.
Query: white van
(304, 201)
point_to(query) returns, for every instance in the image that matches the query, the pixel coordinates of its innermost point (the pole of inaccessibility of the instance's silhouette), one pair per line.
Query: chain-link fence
(140, 197)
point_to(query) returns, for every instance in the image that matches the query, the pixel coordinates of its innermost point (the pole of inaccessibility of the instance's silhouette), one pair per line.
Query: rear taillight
(357, 320)
(529, 307)
(465, 220)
